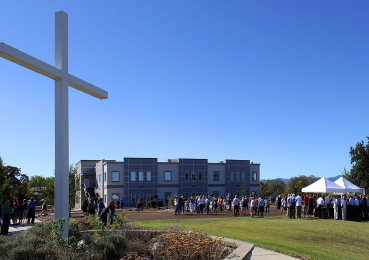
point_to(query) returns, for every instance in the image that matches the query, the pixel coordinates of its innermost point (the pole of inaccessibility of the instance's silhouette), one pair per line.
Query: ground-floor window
(200, 193)
(141, 197)
(193, 194)
(133, 198)
(186, 195)
(216, 193)
(148, 196)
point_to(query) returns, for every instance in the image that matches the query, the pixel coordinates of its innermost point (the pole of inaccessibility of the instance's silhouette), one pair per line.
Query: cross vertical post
(61, 121)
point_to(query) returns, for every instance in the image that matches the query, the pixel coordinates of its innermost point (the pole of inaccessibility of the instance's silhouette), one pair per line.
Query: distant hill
(287, 180)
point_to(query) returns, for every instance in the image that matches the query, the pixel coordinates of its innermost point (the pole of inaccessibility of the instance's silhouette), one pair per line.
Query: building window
(232, 194)
(193, 176)
(115, 196)
(140, 176)
(167, 194)
(141, 197)
(105, 198)
(200, 193)
(200, 176)
(148, 196)
(133, 176)
(115, 176)
(237, 176)
(99, 177)
(243, 176)
(186, 195)
(232, 176)
(148, 176)
(167, 176)
(133, 198)
(254, 176)
(104, 176)
(87, 183)
(216, 176)
(187, 176)
(216, 193)
(193, 194)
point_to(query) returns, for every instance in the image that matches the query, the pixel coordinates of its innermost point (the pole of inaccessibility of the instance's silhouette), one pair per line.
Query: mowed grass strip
(309, 238)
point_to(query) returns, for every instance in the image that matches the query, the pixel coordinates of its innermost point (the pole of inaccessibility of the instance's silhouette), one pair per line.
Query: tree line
(15, 185)
(358, 174)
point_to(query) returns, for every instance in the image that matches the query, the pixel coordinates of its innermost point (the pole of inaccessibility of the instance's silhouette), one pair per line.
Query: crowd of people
(205, 204)
(337, 206)
(17, 212)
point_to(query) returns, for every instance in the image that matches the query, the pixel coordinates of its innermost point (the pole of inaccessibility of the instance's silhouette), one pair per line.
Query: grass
(308, 238)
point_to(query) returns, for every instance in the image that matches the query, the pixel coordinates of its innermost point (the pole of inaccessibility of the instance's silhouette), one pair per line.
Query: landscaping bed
(121, 240)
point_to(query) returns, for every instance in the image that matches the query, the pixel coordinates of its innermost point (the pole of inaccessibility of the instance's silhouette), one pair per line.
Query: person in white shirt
(236, 206)
(298, 205)
(335, 207)
(176, 207)
(343, 207)
(320, 203)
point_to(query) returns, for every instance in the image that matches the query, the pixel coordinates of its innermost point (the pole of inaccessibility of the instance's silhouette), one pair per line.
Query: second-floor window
(254, 176)
(187, 176)
(141, 176)
(200, 176)
(216, 175)
(232, 176)
(167, 176)
(193, 176)
(133, 176)
(148, 176)
(115, 176)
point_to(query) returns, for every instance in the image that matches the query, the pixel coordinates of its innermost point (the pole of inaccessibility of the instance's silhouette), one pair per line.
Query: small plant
(57, 230)
(148, 204)
(153, 203)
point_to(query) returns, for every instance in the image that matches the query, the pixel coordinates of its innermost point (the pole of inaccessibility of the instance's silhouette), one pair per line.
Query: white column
(61, 121)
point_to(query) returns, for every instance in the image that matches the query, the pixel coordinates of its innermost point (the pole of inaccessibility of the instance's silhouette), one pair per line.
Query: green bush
(148, 204)
(160, 203)
(108, 247)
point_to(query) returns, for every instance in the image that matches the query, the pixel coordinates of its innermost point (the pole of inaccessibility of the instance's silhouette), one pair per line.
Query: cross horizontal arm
(29, 62)
(86, 87)
(25, 60)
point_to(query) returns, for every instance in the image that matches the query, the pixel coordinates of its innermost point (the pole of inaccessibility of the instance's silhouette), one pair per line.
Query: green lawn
(310, 238)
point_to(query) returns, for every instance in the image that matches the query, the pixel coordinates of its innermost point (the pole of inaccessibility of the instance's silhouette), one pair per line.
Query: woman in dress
(252, 204)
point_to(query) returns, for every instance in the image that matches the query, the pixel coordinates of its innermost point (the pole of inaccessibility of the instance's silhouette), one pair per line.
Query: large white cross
(63, 79)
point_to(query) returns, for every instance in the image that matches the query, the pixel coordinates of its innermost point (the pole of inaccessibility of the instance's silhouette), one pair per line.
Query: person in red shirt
(111, 208)
(306, 206)
(15, 211)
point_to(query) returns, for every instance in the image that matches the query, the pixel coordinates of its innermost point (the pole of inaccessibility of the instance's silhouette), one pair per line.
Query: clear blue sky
(282, 83)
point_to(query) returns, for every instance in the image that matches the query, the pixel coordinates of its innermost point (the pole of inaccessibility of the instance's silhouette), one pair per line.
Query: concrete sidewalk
(260, 253)
(13, 229)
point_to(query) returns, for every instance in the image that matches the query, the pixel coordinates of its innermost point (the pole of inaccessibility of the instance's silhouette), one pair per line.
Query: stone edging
(242, 252)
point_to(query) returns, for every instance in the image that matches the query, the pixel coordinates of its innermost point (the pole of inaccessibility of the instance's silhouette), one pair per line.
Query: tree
(296, 184)
(243, 190)
(359, 173)
(272, 187)
(13, 184)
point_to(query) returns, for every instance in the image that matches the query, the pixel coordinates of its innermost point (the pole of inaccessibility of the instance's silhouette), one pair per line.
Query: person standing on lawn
(207, 204)
(192, 202)
(344, 207)
(267, 205)
(252, 203)
(175, 203)
(292, 202)
(298, 205)
(236, 206)
(261, 206)
(180, 201)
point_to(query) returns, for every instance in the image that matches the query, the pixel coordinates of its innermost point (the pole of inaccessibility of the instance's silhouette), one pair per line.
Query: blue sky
(282, 83)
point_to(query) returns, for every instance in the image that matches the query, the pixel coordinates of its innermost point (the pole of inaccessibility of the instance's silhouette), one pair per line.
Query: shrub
(139, 205)
(153, 204)
(148, 204)
(160, 203)
(187, 245)
(108, 247)
(171, 200)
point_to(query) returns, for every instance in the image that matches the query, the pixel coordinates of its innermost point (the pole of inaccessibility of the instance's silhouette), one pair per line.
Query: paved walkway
(261, 253)
(18, 228)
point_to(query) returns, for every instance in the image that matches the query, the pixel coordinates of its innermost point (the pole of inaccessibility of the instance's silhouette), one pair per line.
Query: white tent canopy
(347, 185)
(324, 186)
